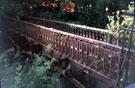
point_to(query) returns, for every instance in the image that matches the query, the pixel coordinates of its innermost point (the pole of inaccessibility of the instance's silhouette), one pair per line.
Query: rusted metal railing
(89, 32)
(100, 57)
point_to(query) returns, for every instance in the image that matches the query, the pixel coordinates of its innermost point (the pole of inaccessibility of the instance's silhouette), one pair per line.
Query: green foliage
(118, 22)
(88, 12)
(38, 75)
(29, 74)
(11, 9)
(115, 26)
(96, 15)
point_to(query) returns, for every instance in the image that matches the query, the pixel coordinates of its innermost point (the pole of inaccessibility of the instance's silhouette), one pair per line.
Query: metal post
(120, 61)
(128, 53)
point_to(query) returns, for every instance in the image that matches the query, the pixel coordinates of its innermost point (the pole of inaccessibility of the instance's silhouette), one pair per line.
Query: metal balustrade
(100, 56)
(89, 32)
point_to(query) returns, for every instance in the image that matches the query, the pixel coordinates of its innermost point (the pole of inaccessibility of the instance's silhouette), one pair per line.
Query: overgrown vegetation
(118, 22)
(9, 8)
(27, 74)
(87, 12)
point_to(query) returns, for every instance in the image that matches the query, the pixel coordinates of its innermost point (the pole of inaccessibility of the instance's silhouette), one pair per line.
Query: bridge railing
(100, 57)
(89, 32)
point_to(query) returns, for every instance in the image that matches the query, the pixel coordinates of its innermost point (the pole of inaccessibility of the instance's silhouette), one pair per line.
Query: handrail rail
(73, 35)
(76, 25)
(89, 32)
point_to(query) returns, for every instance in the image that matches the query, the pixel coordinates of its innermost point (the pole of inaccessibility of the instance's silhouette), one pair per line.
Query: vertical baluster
(72, 47)
(82, 32)
(92, 34)
(51, 35)
(101, 53)
(82, 53)
(43, 36)
(74, 30)
(96, 55)
(57, 41)
(79, 31)
(104, 37)
(92, 55)
(52, 39)
(47, 37)
(99, 57)
(89, 34)
(86, 50)
(110, 62)
(79, 59)
(85, 32)
(68, 29)
(59, 38)
(89, 53)
(55, 38)
(61, 42)
(64, 43)
(71, 29)
(100, 36)
(104, 56)
(70, 43)
(96, 35)
(76, 49)
(107, 60)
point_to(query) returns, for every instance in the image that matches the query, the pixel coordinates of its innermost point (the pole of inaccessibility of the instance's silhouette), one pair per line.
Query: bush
(28, 74)
(118, 23)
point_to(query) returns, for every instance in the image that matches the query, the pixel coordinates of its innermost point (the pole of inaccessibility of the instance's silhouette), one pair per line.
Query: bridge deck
(101, 58)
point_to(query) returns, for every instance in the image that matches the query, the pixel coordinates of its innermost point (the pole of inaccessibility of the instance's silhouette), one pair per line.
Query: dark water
(65, 84)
